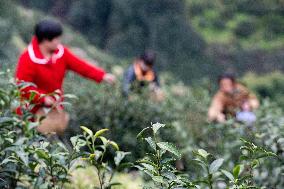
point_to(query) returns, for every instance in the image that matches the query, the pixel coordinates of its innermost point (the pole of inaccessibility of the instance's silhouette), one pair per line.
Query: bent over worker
(230, 99)
(45, 63)
(142, 73)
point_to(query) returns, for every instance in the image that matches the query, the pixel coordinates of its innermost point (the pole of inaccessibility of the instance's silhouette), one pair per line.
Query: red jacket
(48, 75)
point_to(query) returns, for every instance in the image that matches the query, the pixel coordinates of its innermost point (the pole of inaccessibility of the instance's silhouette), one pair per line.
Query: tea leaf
(228, 175)
(157, 126)
(100, 132)
(151, 143)
(215, 165)
(170, 148)
(85, 129)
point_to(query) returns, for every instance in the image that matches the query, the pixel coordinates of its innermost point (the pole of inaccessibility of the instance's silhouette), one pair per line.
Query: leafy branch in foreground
(242, 174)
(97, 146)
(210, 169)
(158, 163)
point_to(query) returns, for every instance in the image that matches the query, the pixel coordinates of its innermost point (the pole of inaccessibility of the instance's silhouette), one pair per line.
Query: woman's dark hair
(227, 76)
(148, 57)
(48, 30)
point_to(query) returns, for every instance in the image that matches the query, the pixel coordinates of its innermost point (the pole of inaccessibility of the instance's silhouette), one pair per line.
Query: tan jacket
(224, 104)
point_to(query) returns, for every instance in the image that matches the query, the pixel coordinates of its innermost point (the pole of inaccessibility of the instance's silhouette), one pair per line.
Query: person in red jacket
(44, 64)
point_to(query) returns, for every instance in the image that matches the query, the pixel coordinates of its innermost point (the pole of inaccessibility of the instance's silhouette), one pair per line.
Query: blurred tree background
(192, 37)
(196, 40)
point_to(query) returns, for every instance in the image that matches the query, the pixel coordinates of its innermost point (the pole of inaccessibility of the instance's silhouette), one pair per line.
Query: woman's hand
(49, 101)
(109, 78)
(221, 118)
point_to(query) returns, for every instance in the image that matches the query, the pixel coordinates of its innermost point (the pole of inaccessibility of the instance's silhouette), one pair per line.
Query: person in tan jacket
(229, 99)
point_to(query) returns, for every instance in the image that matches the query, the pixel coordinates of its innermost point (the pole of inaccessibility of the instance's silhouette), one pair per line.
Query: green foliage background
(195, 41)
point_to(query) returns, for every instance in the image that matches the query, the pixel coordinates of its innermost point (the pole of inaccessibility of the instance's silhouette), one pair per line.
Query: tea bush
(158, 165)
(184, 109)
(30, 160)
(105, 106)
(267, 85)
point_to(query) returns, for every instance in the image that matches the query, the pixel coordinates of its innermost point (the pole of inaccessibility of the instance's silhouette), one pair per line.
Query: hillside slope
(228, 47)
(245, 24)
(242, 36)
(17, 24)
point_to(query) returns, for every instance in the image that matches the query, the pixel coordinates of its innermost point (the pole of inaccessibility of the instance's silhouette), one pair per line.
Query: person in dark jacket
(141, 73)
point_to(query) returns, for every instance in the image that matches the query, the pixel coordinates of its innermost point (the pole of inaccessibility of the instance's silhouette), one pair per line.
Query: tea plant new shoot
(242, 174)
(158, 163)
(95, 156)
